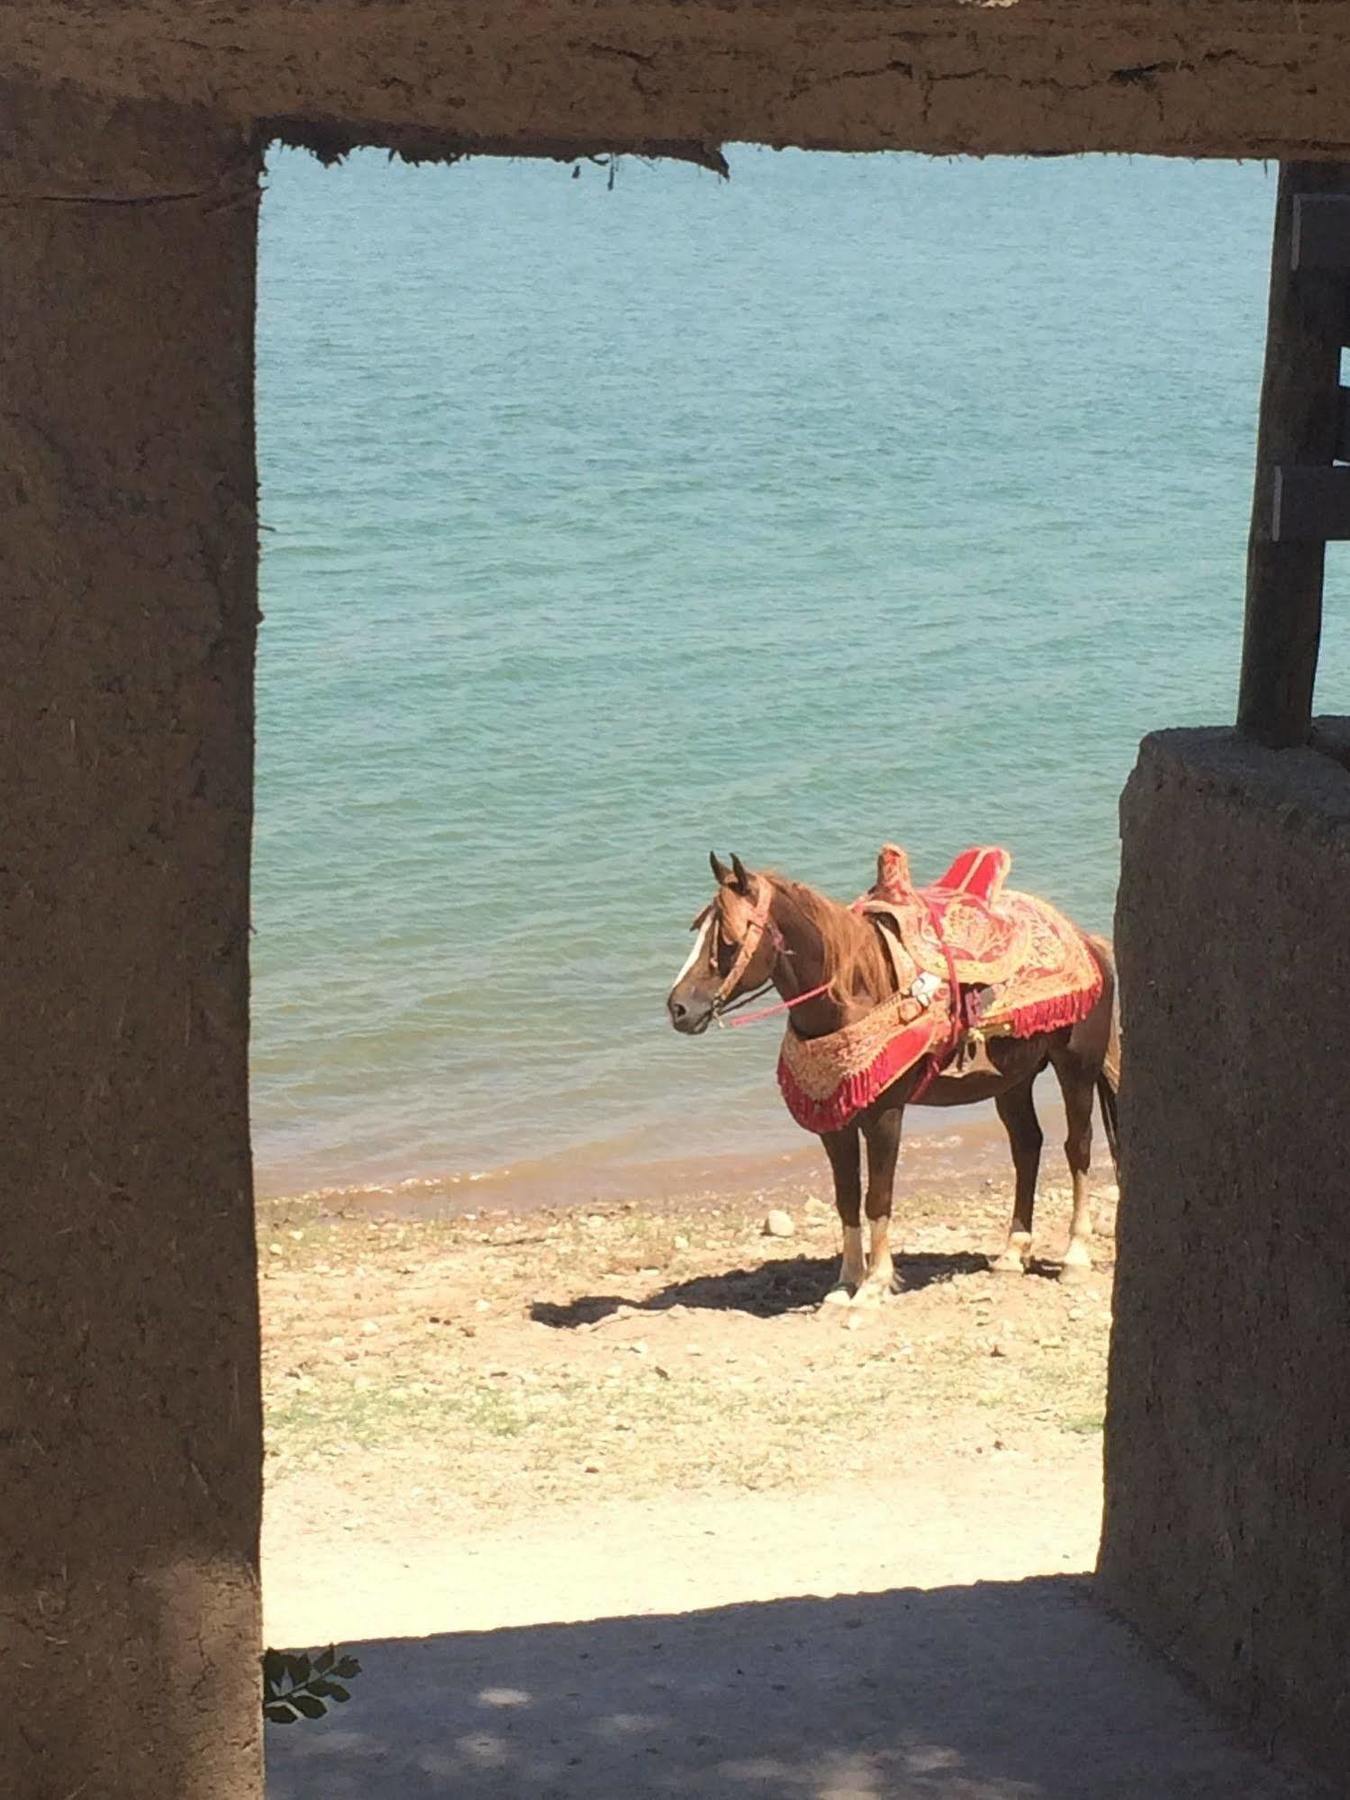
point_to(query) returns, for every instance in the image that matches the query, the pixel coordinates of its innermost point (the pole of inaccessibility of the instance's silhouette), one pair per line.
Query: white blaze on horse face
(695, 953)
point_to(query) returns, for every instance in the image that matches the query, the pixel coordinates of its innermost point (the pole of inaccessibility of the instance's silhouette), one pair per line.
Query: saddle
(1020, 966)
(972, 960)
(963, 915)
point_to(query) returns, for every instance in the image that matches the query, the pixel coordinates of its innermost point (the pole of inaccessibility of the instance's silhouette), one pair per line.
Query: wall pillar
(130, 1430)
(1227, 1530)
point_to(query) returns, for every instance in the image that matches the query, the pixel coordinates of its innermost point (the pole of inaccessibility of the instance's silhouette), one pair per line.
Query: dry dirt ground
(607, 1508)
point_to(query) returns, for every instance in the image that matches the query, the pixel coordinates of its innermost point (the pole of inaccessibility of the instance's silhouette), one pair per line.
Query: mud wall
(130, 1432)
(1227, 1530)
(1188, 77)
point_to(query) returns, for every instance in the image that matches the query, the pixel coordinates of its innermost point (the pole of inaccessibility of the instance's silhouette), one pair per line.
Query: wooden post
(1299, 431)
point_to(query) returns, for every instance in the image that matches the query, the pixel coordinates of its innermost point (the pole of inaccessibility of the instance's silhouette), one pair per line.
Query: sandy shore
(426, 1371)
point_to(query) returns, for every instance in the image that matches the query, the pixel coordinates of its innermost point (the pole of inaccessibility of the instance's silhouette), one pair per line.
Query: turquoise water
(854, 498)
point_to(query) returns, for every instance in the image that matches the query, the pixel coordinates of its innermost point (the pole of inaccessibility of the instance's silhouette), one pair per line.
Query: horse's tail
(1106, 1095)
(1108, 1080)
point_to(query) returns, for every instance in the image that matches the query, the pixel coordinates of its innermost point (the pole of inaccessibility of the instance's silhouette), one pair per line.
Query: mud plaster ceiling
(1256, 78)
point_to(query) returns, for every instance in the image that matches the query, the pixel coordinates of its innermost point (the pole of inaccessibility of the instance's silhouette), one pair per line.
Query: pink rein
(779, 1006)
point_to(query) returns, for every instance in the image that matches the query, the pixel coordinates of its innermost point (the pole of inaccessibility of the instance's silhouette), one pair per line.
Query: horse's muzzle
(690, 1020)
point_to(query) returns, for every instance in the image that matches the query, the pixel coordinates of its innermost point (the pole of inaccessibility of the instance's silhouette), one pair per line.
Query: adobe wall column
(1227, 1528)
(130, 1438)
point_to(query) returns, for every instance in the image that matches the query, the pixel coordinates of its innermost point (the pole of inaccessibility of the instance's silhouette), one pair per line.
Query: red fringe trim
(1055, 1014)
(907, 1047)
(860, 1090)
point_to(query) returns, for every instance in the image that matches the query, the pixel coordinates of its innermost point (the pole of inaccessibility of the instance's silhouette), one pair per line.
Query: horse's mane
(854, 958)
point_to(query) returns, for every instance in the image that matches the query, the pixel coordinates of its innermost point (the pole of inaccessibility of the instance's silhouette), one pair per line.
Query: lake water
(851, 499)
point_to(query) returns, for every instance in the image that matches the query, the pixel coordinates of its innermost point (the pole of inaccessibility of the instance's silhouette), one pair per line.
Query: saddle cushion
(979, 873)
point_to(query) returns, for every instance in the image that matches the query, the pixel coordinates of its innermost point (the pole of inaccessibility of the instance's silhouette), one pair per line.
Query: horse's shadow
(790, 1284)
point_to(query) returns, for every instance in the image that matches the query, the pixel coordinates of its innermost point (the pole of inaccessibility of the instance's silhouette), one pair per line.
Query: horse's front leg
(882, 1134)
(842, 1148)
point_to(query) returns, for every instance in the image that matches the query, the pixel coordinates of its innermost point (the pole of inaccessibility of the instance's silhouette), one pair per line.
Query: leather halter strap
(759, 922)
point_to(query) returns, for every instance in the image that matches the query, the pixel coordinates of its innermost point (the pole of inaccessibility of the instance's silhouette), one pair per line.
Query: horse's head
(734, 953)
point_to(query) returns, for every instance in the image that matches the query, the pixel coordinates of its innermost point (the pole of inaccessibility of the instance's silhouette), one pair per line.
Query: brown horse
(763, 931)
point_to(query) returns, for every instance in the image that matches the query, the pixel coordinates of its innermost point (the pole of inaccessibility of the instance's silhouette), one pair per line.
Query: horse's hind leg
(1017, 1110)
(844, 1152)
(1078, 1083)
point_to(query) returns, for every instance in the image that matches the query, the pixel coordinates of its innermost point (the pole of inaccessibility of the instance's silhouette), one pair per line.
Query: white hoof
(870, 1294)
(1012, 1262)
(1077, 1264)
(839, 1295)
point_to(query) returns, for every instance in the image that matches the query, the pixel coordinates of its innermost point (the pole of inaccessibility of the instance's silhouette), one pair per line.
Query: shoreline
(942, 1147)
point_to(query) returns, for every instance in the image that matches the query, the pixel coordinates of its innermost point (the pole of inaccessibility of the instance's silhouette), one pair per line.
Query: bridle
(759, 923)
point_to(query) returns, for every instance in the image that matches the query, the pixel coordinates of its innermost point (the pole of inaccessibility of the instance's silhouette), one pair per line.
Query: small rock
(997, 1350)
(779, 1224)
(596, 1221)
(369, 1327)
(817, 1207)
(274, 1249)
(299, 1236)
(681, 1242)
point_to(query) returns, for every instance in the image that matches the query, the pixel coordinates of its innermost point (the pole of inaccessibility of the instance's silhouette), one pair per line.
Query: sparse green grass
(1085, 1424)
(407, 1350)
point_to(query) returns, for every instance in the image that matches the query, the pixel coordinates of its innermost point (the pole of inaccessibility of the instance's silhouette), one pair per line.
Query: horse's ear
(742, 875)
(721, 873)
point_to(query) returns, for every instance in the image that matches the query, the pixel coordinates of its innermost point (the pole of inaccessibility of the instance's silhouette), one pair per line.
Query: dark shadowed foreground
(1001, 1691)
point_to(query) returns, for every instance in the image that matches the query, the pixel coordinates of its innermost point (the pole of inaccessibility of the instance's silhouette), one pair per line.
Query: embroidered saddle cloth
(1020, 967)
(1027, 967)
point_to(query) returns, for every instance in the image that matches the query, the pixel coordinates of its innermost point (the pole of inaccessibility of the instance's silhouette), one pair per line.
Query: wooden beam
(1298, 438)
(1310, 506)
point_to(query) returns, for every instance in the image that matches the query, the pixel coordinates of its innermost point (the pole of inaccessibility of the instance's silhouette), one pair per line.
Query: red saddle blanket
(1020, 966)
